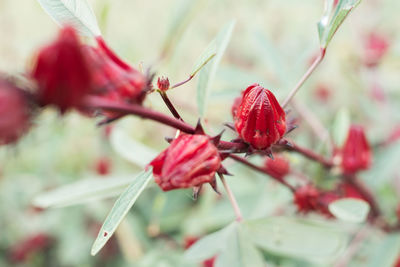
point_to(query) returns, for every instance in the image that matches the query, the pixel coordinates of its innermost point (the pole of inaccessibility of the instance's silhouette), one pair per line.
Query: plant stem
(170, 106)
(309, 154)
(365, 192)
(182, 83)
(232, 198)
(313, 66)
(101, 103)
(259, 169)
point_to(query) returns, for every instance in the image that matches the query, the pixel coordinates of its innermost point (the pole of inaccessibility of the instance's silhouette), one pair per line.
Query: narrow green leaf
(120, 209)
(341, 126)
(332, 18)
(297, 238)
(350, 209)
(77, 13)
(184, 11)
(82, 192)
(207, 74)
(130, 149)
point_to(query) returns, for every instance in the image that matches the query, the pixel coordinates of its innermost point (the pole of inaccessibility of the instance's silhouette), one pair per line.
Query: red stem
(310, 155)
(260, 169)
(182, 83)
(170, 106)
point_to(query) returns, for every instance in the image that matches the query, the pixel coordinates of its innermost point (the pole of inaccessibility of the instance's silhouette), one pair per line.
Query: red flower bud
(260, 120)
(356, 153)
(62, 72)
(277, 167)
(20, 252)
(163, 83)
(114, 79)
(14, 113)
(306, 198)
(103, 166)
(375, 48)
(190, 160)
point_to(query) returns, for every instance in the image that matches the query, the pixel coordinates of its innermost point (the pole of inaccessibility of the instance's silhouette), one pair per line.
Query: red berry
(163, 83)
(190, 160)
(356, 153)
(62, 73)
(15, 113)
(278, 167)
(306, 198)
(260, 120)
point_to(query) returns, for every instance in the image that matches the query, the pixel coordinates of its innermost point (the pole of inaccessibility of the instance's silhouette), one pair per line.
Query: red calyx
(306, 198)
(62, 72)
(21, 251)
(163, 83)
(190, 160)
(113, 80)
(356, 152)
(260, 121)
(376, 47)
(278, 167)
(15, 113)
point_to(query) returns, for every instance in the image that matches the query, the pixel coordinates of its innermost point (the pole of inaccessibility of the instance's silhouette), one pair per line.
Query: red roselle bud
(21, 251)
(260, 120)
(163, 83)
(113, 78)
(278, 167)
(189, 161)
(15, 113)
(103, 166)
(375, 48)
(62, 73)
(356, 153)
(306, 198)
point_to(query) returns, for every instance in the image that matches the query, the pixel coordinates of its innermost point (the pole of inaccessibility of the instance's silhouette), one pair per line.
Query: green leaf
(209, 245)
(184, 11)
(311, 241)
(332, 18)
(130, 149)
(77, 13)
(121, 207)
(207, 74)
(341, 126)
(386, 253)
(239, 251)
(350, 209)
(232, 246)
(82, 192)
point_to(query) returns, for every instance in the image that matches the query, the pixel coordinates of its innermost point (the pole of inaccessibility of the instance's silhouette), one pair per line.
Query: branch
(232, 198)
(170, 106)
(260, 169)
(313, 66)
(310, 155)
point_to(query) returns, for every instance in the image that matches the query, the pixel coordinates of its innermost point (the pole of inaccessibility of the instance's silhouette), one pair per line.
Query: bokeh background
(273, 43)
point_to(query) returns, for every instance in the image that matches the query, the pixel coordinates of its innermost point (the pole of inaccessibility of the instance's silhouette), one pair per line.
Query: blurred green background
(272, 44)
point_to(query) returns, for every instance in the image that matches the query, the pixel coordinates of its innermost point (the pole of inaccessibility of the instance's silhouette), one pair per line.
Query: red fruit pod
(356, 152)
(260, 121)
(278, 167)
(190, 160)
(15, 113)
(306, 198)
(62, 73)
(114, 79)
(376, 47)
